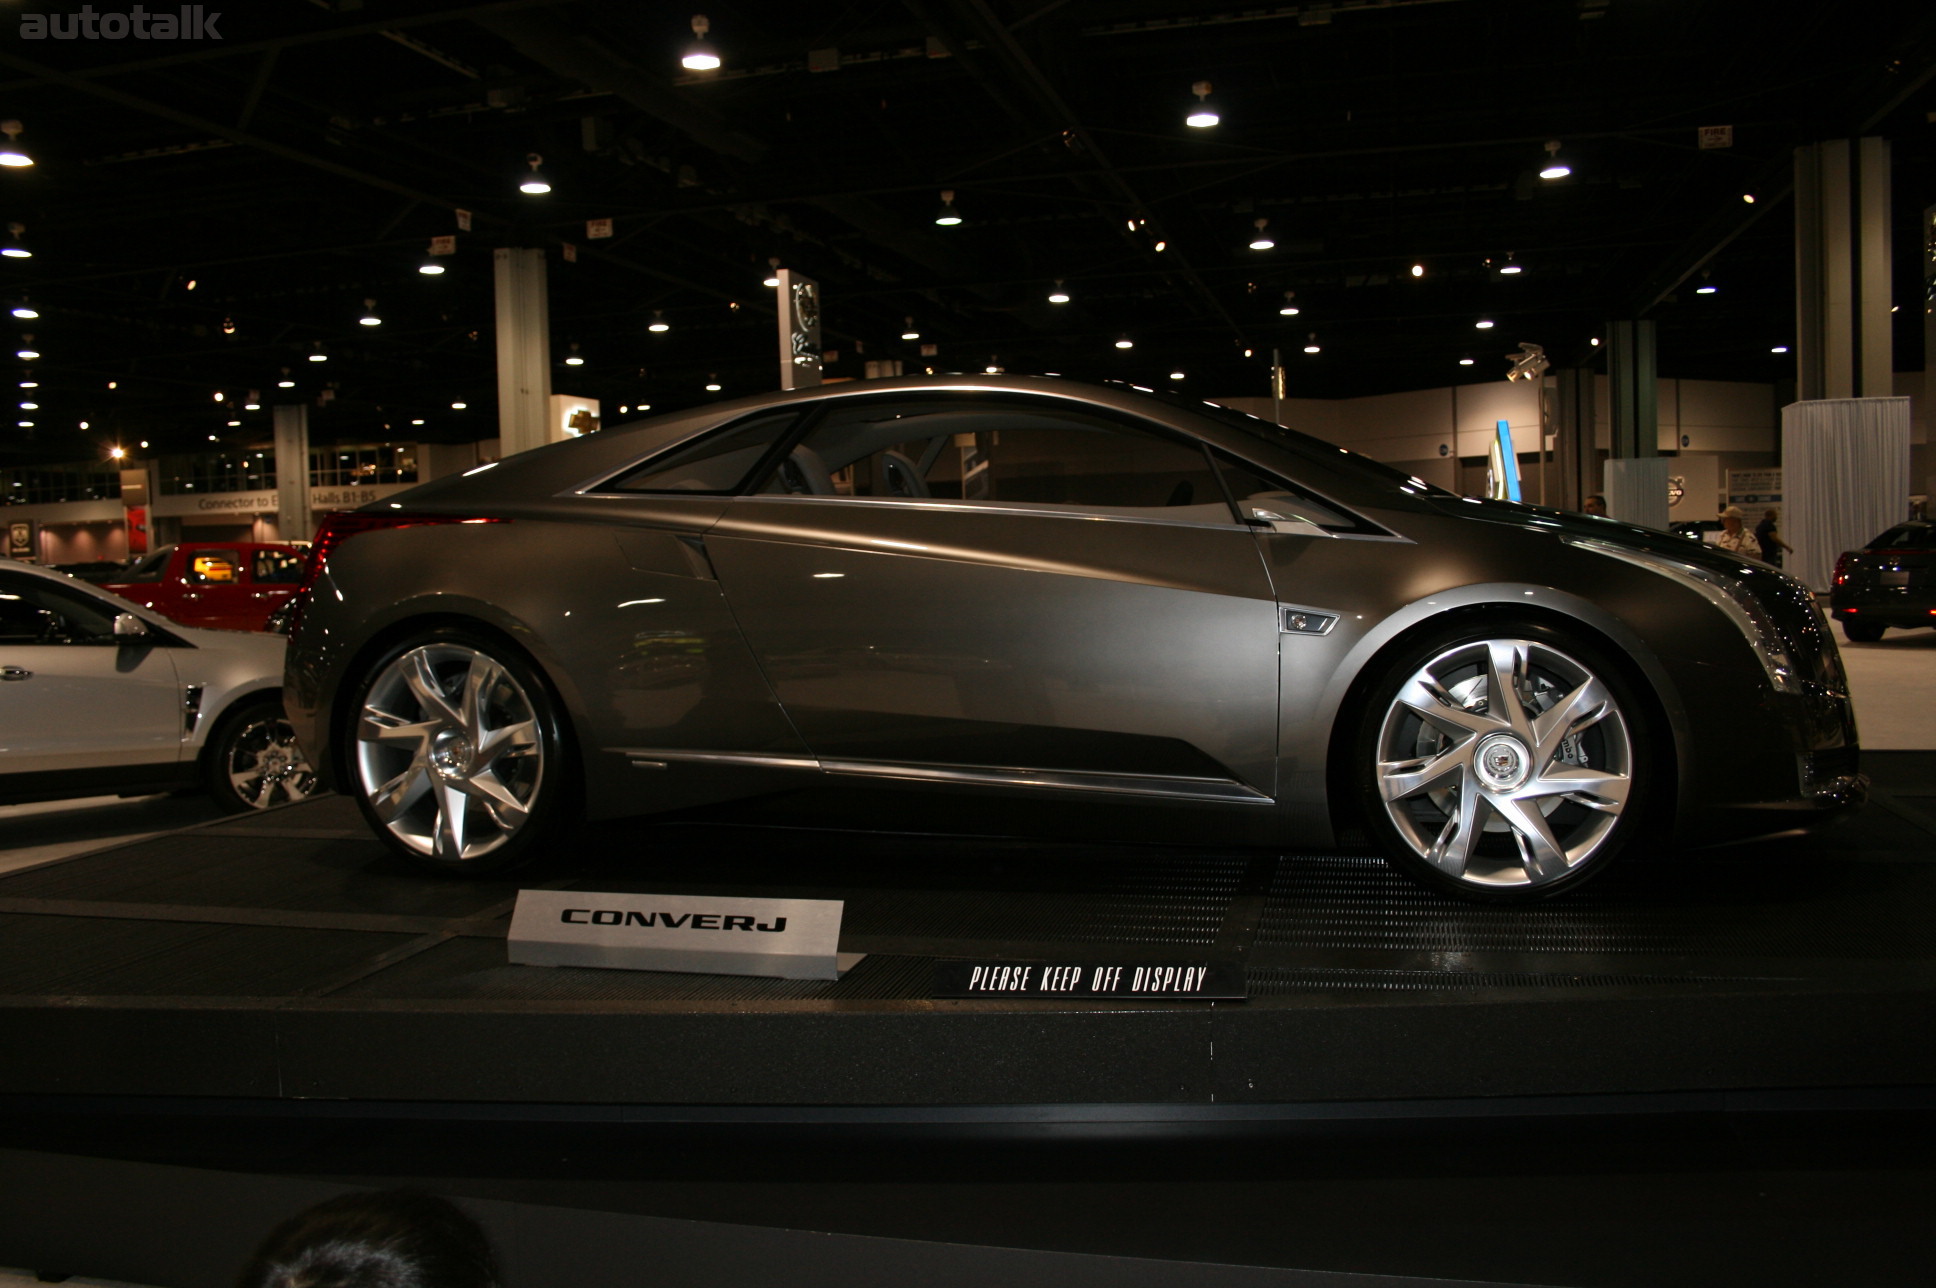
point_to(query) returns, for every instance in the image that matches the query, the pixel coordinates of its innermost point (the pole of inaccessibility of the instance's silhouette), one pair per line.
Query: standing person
(1736, 539)
(1771, 543)
(1595, 504)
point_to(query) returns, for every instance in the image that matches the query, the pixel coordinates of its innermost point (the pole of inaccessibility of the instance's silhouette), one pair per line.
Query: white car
(100, 698)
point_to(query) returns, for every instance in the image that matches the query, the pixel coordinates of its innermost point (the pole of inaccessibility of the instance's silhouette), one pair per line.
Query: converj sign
(188, 22)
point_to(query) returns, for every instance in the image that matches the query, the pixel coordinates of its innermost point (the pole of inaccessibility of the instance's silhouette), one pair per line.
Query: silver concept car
(1044, 597)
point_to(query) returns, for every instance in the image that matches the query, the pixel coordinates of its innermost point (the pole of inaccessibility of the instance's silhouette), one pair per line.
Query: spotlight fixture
(459, 406)
(285, 382)
(318, 355)
(228, 326)
(574, 358)
(30, 406)
(1748, 197)
(1124, 342)
(1466, 361)
(418, 421)
(910, 333)
(1262, 240)
(1555, 167)
(431, 267)
(773, 273)
(700, 56)
(1161, 246)
(1288, 309)
(1706, 287)
(114, 453)
(712, 384)
(1780, 348)
(15, 249)
(534, 183)
(1510, 268)
(1176, 375)
(658, 325)
(35, 384)
(25, 310)
(253, 402)
(1203, 114)
(1311, 343)
(27, 351)
(947, 216)
(1418, 270)
(1483, 324)
(369, 317)
(219, 395)
(1058, 295)
(1530, 363)
(10, 153)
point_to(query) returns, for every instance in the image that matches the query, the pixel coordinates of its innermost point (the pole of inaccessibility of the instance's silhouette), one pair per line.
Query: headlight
(1749, 615)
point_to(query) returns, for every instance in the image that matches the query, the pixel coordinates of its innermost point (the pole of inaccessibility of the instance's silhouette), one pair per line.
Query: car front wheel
(457, 754)
(254, 761)
(1504, 763)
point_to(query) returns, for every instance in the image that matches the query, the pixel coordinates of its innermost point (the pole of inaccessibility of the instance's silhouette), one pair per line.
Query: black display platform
(1731, 1050)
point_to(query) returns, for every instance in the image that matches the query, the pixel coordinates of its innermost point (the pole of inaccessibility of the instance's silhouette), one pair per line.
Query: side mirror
(1271, 521)
(127, 627)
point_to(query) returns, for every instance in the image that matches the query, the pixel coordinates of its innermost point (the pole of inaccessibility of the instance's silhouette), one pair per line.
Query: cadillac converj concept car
(1036, 594)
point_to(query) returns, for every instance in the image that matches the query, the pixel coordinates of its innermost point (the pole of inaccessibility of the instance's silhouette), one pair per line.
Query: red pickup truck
(232, 584)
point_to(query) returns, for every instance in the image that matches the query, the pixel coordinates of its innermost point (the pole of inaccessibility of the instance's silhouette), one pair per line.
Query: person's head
(1731, 518)
(1595, 504)
(389, 1239)
(1767, 516)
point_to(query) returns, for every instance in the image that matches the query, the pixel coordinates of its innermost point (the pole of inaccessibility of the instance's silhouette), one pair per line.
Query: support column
(523, 350)
(1633, 390)
(1842, 254)
(293, 521)
(1574, 455)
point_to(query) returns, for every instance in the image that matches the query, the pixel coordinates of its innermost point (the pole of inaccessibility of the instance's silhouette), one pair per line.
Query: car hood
(1566, 523)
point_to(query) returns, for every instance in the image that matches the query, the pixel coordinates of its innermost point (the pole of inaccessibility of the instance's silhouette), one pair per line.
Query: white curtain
(1845, 478)
(1636, 489)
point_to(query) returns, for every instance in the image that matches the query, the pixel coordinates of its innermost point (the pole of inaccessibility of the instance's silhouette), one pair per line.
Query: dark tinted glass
(1908, 536)
(716, 465)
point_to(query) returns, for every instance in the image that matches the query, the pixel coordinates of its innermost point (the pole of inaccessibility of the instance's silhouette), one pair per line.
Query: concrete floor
(1894, 683)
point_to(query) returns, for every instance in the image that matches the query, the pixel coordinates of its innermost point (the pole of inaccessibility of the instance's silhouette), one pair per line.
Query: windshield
(151, 566)
(1315, 450)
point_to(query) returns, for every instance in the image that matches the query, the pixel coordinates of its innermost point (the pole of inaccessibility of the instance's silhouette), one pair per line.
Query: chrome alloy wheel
(448, 753)
(1504, 763)
(264, 765)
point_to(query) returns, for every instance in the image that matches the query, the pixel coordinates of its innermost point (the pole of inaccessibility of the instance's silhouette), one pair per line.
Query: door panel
(951, 634)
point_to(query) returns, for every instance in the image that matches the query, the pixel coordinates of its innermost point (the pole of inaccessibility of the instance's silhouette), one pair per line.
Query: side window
(278, 567)
(151, 568)
(213, 568)
(1265, 496)
(1001, 452)
(35, 613)
(715, 465)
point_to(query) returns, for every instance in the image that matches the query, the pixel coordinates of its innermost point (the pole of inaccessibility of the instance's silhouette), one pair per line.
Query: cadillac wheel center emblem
(1503, 762)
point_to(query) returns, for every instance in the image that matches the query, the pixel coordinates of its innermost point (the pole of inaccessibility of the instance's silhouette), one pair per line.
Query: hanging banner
(799, 299)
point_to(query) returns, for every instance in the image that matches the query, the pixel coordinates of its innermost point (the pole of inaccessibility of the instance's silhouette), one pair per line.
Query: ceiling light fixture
(1311, 343)
(25, 310)
(1509, 268)
(1483, 324)
(1203, 114)
(1176, 375)
(459, 406)
(1466, 361)
(1780, 348)
(574, 358)
(431, 267)
(712, 384)
(1262, 240)
(369, 317)
(10, 153)
(947, 216)
(910, 333)
(1289, 309)
(319, 355)
(1058, 295)
(16, 250)
(1124, 342)
(535, 184)
(658, 325)
(1418, 270)
(700, 56)
(1706, 287)
(1555, 168)
(773, 274)
(27, 351)
(1748, 197)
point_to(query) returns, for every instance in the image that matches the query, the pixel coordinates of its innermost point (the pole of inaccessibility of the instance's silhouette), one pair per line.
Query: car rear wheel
(254, 762)
(1862, 632)
(1504, 763)
(457, 754)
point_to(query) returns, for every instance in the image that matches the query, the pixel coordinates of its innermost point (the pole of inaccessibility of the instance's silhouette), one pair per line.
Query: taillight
(1842, 567)
(338, 528)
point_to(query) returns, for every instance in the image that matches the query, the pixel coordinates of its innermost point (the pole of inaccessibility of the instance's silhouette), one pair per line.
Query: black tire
(473, 777)
(1505, 809)
(253, 762)
(1862, 632)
